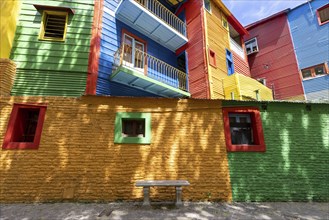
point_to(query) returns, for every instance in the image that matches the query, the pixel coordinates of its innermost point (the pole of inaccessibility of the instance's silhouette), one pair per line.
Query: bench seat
(146, 184)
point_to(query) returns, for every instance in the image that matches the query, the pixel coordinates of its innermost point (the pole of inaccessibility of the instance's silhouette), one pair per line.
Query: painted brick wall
(77, 159)
(295, 164)
(7, 76)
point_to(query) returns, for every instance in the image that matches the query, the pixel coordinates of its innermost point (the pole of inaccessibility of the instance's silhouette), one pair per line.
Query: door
(134, 53)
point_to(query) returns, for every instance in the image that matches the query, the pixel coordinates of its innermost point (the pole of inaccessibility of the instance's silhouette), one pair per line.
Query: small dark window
(207, 5)
(54, 25)
(241, 129)
(212, 58)
(307, 73)
(229, 62)
(323, 14)
(133, 127)
(319, 70)
(26, 125)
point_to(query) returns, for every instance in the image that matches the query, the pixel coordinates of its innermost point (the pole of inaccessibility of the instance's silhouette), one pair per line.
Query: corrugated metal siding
(110, 42)
(195, 50)
(317, 88)
(276, 59)
(311, 40)
(52, 68)
(240, 65)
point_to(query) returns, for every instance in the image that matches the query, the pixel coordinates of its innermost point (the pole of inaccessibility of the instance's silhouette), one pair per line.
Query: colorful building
(288, 52)
(309, 26)
(169, 49)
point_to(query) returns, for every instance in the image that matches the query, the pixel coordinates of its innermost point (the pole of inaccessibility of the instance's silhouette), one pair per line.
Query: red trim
(181, 49)
(318, 15)
(124, 31)
(204, 53)
(8, 144)
(95, 45)
(53, 8)
(237, 25)
(257, 128)
(212, 58)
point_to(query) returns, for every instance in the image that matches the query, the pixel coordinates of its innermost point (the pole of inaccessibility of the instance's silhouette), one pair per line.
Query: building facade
(289, 51)
(309, 26)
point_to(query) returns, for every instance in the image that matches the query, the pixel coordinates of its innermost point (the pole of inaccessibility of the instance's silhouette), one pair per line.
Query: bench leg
(179, 196)
(146, 192)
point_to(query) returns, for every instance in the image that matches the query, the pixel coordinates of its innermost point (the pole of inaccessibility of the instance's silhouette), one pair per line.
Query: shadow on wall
(52, 68)
(78, 161)
(295, 164)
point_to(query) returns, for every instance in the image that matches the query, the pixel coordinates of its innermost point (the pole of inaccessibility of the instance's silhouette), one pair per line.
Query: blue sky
(249, 11)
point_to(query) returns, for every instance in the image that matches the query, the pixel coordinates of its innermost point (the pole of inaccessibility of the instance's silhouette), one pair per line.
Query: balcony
(135, 68)
(154, 20)
(237, 48)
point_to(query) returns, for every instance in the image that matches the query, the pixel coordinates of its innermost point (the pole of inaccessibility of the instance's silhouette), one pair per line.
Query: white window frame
(134, 42)
(250, 44)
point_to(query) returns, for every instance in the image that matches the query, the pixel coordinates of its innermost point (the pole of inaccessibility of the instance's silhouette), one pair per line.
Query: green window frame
(120, 138)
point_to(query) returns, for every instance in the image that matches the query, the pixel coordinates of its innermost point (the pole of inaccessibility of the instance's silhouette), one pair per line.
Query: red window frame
(257, 127)
(318, 14)
(212, 58)
(8, 142)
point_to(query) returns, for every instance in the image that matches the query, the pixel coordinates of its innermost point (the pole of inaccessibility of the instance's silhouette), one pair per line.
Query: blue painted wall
(311, 44)
(311, 41)
(110, 42)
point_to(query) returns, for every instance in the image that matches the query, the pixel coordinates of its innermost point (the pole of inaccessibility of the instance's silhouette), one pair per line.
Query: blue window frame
(229, 62)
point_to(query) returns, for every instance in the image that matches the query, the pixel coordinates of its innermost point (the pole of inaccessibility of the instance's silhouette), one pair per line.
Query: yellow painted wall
(7, 76)
(77, 159)
(217, 39)
(244, 88)
(8, 16)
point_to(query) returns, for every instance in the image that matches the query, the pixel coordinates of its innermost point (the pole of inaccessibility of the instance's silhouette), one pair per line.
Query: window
(53, 25)
(323, 14)
(251, 46)
(132, 128)
(243, 129)
(24, 127)
(212, 58)
(224, 22)
(229, 62)
(134, 52)
(207, 5)
(314, 71)
(262, 81)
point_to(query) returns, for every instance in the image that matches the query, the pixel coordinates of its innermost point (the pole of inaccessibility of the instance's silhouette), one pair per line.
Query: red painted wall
(241, 65)
(197, 67)
(276, 60)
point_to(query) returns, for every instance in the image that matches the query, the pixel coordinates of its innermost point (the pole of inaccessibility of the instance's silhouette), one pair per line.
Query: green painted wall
(49, 67)
(295, 166)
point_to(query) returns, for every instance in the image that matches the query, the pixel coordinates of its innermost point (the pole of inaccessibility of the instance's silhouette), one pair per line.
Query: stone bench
(146, 184)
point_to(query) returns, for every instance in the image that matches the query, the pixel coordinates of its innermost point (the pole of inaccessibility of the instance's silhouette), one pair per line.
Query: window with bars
(54, 25)
(133, 127)
(24, 127)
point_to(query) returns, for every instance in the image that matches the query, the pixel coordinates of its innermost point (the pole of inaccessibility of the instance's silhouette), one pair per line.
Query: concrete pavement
(165, 211)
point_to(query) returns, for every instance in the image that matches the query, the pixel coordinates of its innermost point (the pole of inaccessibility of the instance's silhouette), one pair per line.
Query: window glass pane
(319, 70)
(207, 4)
(133, 127)
(324, 14)
(306, 73)
(241, 129)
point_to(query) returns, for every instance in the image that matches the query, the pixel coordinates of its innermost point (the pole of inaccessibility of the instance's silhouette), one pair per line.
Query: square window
(224, 22)
(243, 129)
(251, 46)
(207, 5)
(323, 14)
(212, 58)
(132, 128)
(53, 25)
(307, 73)
(24, 127)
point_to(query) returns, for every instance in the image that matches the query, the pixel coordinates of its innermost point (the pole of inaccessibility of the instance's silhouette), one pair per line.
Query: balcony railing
(237, 48)
(164, 14)
(150, 66)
